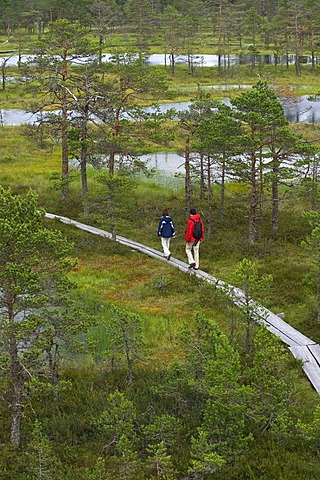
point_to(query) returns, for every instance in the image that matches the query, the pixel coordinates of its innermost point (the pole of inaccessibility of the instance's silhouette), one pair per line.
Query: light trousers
(165, 242)
(193, 253)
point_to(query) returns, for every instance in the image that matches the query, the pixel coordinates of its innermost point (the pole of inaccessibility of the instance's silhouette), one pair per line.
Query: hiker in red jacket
(193, 236)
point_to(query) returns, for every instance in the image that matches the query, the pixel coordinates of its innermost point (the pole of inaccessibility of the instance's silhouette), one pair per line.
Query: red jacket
(190, 226)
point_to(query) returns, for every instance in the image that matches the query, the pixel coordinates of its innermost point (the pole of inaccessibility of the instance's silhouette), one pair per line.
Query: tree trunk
(222, 188)
(275, 196)
(219, 36)
(3, 69)
(248, 337)
(53, 362)
(64, 147)
(172, 63)
(64, 131)
(209, 197)
(187, 177)
(100, 48)
(84, 158)
(17, 382)
(202, 182)
(253, 202)
(260, 195)
(287, 52)
(314, 187)
(313, 58)
(297, 47)
(116, 132)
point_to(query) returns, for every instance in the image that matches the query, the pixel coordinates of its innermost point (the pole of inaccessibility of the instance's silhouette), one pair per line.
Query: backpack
(197, 230)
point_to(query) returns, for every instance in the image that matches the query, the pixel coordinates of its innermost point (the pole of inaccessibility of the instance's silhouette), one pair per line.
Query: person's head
(193, 211)
(165, 212)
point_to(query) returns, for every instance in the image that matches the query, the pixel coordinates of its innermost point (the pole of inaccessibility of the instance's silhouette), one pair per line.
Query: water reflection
(170, 162)
(301, 109)
(206, 60)
(15, 117)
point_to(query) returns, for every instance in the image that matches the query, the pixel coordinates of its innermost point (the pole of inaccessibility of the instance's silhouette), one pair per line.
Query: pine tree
(42, 463)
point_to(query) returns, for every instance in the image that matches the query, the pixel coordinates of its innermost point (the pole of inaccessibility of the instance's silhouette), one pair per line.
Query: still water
(302, 109)
(205, 60)
(170, 162)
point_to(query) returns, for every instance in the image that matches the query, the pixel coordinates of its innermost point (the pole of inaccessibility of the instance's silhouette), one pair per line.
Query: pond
(170, 162)
(205, 60)
(302, 109)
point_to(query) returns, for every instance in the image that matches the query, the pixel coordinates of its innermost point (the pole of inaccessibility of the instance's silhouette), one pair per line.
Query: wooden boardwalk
(301, 347)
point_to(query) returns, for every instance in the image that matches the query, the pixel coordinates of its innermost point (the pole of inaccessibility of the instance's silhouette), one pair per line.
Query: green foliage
(204, 460)
(98, 472)
(42, 464)
(159, 462)
(125, 340)
(114, 199)
(37, 316)
(253, 289)
(200, 342)
(225, 411)
(271, 392)
(247, 277)
(164, 431)
(117, 423)
(127, 458)
(311, 430)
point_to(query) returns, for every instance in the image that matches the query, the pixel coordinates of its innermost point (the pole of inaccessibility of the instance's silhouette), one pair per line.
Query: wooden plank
(301, 353)
(309, 364)
(313, 375)
(285, 338)
(287, 329)
(315, 350)
(79, 225)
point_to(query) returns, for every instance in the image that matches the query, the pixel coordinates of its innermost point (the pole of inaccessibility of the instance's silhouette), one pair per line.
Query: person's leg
(189, 253)
(165, 242)
(196, 254)
(168, 254)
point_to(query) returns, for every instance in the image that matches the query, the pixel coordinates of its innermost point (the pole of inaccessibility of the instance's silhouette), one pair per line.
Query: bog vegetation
(113, 364)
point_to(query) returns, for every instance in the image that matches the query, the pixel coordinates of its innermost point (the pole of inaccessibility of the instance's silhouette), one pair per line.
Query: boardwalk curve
(301, 347)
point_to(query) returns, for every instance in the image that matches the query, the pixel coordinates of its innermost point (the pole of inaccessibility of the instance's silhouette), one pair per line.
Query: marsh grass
(111, 273)
(108, 273)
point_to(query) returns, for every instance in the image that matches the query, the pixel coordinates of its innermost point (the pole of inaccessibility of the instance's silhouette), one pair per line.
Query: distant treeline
(272, 24)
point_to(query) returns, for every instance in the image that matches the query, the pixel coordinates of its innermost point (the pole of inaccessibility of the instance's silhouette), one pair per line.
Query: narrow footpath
(301, 347)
